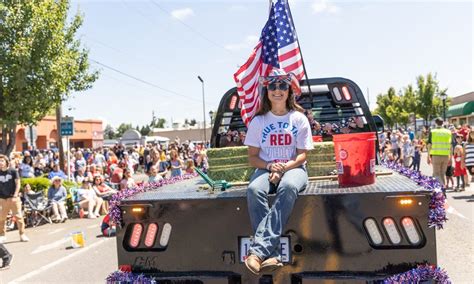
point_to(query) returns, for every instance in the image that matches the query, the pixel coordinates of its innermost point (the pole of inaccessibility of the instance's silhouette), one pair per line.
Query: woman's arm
(97, 192)
(254, 159)
(300, 159)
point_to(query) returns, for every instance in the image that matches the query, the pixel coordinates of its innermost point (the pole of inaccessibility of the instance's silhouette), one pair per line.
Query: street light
(203, 109)
(211, 115)
(444, 97)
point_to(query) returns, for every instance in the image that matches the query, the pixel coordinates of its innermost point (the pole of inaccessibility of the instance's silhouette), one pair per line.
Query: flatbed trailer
(330, 233)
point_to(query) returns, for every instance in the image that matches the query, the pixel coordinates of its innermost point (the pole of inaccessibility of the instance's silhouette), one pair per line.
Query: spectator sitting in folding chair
(103, 191)
(36, 208)
(57, 198)
(89, 200)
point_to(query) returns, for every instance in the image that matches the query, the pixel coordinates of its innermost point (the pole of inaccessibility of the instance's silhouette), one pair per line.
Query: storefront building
(461, 110)
(87, 134)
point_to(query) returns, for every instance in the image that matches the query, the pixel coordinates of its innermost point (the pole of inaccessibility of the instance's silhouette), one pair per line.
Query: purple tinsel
(419, 274)
(128, 277)
(437, 215)
(415, 275)
(116, 200)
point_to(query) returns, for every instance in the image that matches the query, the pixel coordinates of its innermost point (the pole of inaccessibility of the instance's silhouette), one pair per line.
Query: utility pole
(59, 114)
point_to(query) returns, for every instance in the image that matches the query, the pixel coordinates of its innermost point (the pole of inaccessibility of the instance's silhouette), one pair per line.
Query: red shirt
(117, 175)
(464, 132)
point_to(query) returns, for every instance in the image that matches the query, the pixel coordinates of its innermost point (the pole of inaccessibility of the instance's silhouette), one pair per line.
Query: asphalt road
(47, 258)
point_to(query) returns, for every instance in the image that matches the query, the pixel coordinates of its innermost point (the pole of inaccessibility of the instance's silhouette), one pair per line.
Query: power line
(142, 81)
(189, 27)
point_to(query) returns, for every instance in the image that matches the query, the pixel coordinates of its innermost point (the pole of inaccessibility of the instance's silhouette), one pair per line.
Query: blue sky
(377, 44)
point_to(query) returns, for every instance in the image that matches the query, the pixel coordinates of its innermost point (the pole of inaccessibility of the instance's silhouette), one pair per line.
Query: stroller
(36, 209)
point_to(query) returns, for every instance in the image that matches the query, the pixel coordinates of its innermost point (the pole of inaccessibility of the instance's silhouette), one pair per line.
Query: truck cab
(182, 233)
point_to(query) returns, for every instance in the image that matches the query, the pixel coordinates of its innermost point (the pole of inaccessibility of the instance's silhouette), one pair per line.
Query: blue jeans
(268, 222)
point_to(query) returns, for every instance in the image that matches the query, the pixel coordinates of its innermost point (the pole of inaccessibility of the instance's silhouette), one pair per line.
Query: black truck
(180, 233)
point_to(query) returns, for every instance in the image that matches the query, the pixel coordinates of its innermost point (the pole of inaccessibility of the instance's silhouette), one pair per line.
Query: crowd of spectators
(403, 146)
(100, 173)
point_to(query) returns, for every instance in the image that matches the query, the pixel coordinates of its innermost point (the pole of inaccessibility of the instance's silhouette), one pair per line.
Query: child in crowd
(459, 167)
(388, 154)
(469, 154)
(189, 166)
(416, 156)
(449, 174)
(406, 151)
(153, 175)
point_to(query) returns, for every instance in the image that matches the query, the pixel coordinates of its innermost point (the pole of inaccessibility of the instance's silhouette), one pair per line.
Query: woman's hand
(275, 177)
(278, 168)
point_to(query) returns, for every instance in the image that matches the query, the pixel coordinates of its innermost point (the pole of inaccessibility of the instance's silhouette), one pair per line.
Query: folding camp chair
(214, 184)
(76, 202)
(37, 209)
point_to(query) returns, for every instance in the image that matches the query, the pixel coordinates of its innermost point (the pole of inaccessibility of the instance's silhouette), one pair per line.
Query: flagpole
(301, 53)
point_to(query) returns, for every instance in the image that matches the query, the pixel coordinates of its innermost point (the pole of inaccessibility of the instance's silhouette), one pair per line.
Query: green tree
(387, 107)
(122, 128)
(145, 130)
(160, 123)
(41, 62)
(430, 103)
(193, 122)
(109, 132)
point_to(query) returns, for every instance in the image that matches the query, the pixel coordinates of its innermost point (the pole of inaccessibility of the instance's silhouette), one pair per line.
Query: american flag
(277, 48)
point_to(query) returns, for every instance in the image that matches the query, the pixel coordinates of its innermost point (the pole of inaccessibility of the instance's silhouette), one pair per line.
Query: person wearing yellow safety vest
(439, 150)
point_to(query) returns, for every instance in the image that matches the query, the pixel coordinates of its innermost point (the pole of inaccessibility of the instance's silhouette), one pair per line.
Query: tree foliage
(122, 128)
(423, 101)
(41, 62)
(109, 132)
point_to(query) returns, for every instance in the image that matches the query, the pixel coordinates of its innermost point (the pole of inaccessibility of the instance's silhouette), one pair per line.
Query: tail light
(373, 231)
(410, 229)
(392, 231)
(151, 234)
(406, 201)
(125, 268)
(346, 93)
(165, 235)
(136, 235)
(337, 94)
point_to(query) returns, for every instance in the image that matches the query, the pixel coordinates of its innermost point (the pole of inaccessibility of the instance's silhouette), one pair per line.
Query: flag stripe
(277, 48)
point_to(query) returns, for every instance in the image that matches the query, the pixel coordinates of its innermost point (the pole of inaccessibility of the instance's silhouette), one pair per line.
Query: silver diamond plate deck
(190, 189)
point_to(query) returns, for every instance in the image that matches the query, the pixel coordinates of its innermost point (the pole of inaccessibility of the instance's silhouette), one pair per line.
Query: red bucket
(355, 158)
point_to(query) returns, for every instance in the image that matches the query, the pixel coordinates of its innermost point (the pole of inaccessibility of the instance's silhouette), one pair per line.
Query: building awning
(460, 109)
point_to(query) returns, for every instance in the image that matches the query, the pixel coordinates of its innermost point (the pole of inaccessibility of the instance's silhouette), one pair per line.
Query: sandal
(270, 264)
(253, 263)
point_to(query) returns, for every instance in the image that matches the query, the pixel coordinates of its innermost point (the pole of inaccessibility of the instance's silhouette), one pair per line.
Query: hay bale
(231, 163)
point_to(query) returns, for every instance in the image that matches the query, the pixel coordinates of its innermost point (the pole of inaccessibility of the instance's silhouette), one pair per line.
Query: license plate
(245, 242)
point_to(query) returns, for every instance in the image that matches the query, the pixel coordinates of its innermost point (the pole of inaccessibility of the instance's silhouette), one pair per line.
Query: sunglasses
(283, 86)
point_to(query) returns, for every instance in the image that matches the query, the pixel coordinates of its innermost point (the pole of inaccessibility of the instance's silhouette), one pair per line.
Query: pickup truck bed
(328, 236)
(190, 189)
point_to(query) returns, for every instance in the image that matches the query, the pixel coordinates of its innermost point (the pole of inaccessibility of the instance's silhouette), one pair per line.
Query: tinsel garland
(416, 275)
(437, 215)
(116, 200)
(421, 273)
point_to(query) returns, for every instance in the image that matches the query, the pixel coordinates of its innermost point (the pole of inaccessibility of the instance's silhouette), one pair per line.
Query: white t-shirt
(278, 137)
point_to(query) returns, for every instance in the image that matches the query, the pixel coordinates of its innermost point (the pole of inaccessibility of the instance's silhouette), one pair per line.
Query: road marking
(56, 231)
(61, 260)
(50, 246)
(450, 209)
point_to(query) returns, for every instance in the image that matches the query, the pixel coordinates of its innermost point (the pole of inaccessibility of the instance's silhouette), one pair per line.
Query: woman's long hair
(266, 105)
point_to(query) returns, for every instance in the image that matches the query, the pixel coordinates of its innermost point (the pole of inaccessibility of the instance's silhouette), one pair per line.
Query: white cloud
(322, 6)
(248, 43)
(182, 14)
